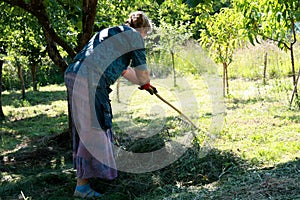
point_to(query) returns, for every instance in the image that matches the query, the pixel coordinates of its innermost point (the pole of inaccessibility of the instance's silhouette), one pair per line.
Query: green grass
(40, 114)
(248, 62)
(260, 126)
(255, 152)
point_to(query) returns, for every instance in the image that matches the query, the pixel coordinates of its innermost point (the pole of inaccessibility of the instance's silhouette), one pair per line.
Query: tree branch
(54, 53)
(37, 8)
(40, 12)
(294, 33)
(274, 40)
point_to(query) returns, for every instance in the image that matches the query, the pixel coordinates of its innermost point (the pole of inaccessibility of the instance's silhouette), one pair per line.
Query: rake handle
(169, 104)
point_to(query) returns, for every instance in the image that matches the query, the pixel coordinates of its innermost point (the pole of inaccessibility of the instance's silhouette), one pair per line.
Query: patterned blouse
(110, 52)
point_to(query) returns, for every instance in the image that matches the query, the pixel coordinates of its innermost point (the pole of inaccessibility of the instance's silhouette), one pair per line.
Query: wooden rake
(183, 115)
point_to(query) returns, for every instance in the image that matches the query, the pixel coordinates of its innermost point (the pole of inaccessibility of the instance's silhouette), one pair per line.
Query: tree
(34, 49)
(221, 37)
(54, 18)
(273, 20)
(41, 10)
(2, 53)
(170, 39)
(26, 41)
(62, 20)
(67, 25)
(23, 40)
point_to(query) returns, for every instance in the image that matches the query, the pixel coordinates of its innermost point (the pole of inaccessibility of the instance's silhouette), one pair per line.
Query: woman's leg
(82, 181)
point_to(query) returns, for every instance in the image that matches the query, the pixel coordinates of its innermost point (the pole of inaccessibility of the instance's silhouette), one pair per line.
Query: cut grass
(254, 156)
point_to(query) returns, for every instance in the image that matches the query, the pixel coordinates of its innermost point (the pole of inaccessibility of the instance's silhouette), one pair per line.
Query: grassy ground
(254, 153)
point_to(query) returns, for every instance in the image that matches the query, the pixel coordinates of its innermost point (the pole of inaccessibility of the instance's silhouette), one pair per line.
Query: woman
(100, 63)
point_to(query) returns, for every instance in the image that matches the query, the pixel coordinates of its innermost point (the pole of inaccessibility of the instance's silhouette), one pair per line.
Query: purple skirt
(93, 155)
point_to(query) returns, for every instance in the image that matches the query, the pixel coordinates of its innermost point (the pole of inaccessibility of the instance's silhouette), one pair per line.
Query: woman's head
(139, 21)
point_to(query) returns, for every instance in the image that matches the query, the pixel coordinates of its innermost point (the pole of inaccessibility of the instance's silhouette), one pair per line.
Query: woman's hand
(151, 89)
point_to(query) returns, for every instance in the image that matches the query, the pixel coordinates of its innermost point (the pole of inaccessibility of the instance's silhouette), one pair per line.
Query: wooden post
(118, 90)
(33, 74)
(173, 66)
(265, 68)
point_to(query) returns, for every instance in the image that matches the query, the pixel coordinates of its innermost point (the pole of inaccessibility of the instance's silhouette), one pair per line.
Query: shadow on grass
(39, 169)
(33, 98)
(20, 130)
(293, 118)
(236, 103)
(45, 172)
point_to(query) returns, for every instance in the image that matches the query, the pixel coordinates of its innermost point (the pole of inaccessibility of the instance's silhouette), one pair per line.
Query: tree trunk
(225, 80)
(295, 81)
(54, 54)
(295, 89)
(20, 74)
(88, 17)
(295, 92)
(173, 66)
(33, 74)
(265, 68)
(2, 116)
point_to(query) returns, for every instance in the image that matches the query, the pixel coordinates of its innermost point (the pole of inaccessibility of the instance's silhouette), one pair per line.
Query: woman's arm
(136, 76)
(140, 77)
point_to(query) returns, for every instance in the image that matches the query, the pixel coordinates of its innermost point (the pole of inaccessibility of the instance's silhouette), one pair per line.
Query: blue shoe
(86, 192)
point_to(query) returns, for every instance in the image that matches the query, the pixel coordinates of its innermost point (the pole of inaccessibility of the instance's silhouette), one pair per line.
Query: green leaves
(223, 34)
(171, 11)
(63, 24)
(194, 3)
(270, 19)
